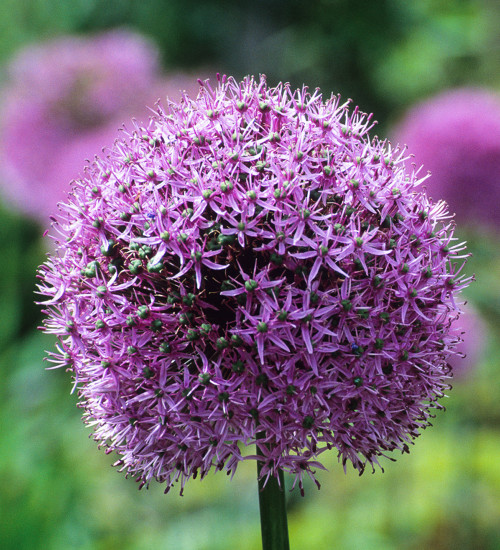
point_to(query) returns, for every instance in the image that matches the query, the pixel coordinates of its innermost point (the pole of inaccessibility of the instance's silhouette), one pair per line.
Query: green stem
(273, 521)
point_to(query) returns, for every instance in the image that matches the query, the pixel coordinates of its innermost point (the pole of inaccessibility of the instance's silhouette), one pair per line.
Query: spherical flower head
(252, 268)
(63, 102)
(456, 136)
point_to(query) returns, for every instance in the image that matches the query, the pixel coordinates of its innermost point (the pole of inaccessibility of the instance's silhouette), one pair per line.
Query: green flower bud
(143, 312)
(251, 285)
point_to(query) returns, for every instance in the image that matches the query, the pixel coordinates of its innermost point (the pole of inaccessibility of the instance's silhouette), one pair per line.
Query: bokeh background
(71, 74)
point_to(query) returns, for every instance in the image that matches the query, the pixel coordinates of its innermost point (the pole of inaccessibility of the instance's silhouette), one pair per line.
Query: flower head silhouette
(456, 136)
(63, 102)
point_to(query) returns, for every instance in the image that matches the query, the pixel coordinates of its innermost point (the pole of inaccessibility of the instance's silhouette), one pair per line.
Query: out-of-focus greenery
(382, 54)
(59, 492)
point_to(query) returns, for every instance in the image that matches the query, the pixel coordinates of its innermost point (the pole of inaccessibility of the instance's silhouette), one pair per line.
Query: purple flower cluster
(63, 102)
(456, 135)
(252, 268)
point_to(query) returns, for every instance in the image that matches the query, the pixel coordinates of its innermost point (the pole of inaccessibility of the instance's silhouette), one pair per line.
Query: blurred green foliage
(59, 492)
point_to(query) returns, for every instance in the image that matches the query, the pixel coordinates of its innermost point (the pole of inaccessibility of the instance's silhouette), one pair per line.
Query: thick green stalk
(273, 521)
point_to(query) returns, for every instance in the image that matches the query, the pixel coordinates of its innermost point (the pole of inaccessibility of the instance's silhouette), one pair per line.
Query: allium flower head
(456, 136)
(252, 268)
(63, 102)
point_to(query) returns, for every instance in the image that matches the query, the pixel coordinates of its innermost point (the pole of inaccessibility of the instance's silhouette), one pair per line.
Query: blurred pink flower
(456, 136)
(64, 102)
(473, 332)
